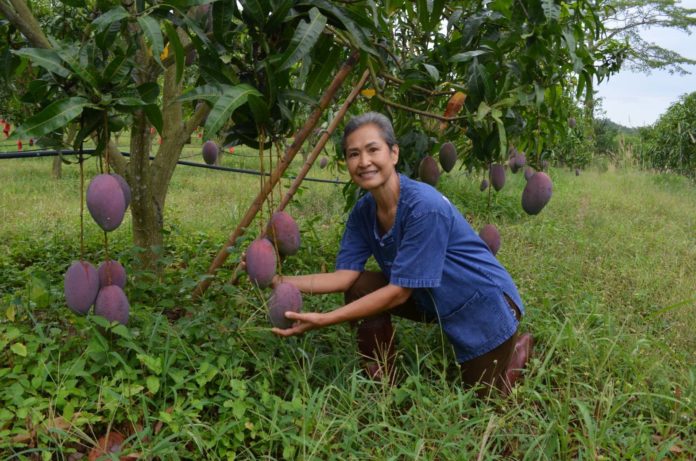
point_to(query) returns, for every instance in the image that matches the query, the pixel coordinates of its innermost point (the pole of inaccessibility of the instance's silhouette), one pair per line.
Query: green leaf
(39, 290)
(502, 134)
(209, 93)
(55, 115)
(149, 92)
(306, 35)
(114, 68)
(227, 103)
(253, 10)
(113, 15)
(152, 363)
(184, 4)
(259, 109)
(154, 115)
(280, 13)
(355, 33)
(297, 95)
(48, 59)
(71, 56)
(151, 29)
(483, 110)
(432, 71)
(175, 43)
(319, 76)
(467, 56)
(129, 101)
(19, 349)
(153, 384)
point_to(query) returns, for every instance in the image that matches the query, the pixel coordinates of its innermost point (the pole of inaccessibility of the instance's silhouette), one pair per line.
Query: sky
(634, 99)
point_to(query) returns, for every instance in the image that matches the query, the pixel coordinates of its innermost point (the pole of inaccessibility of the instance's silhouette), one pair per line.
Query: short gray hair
(370, 118)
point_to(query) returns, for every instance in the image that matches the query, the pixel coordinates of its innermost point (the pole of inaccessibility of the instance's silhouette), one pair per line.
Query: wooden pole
(283, 164)
(314, 154)
(322, 142)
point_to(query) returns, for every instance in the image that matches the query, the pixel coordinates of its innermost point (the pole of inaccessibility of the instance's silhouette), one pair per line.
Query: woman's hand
(304, 321)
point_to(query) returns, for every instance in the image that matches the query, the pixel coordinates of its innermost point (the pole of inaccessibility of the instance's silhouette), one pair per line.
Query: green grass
(607, 272)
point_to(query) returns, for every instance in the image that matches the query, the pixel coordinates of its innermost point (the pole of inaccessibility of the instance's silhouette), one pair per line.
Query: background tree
(670, 144)
(625, 19)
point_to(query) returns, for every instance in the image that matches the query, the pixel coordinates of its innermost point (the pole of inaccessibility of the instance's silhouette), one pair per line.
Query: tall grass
(607, 272)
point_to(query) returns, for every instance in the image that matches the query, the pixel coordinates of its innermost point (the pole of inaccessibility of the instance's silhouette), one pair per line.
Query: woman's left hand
(304, 321)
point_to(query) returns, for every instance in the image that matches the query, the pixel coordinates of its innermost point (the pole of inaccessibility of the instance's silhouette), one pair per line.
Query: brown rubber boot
(520, 356)
(376, 346)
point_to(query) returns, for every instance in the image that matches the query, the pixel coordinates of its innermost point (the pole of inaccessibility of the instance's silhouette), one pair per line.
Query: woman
(434, 268)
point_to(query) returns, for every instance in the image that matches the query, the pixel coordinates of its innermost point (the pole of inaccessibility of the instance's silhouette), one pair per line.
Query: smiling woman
(434, 268)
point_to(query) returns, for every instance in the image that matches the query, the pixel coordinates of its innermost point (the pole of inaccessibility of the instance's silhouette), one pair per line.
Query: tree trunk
(150, 180)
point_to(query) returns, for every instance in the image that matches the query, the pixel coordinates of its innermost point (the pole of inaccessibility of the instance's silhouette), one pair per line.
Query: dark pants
(376, 337)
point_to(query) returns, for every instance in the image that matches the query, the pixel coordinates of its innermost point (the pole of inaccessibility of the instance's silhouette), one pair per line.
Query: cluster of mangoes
(108, 198)
(282, 238)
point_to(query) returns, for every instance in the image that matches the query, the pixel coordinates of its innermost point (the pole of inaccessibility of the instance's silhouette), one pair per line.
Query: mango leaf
(184, 4)
(209, 93)
(467, 56)
(105, 20)
(482, 111)
(115, 68)
(151, 29)
(71, 56)
(306, 35)
(48, 59)
(227, 103)
(154, 115)
(259, 109)
(432, 71)
(222, 17)
(319, 76)
(129, 101)
(55, 115)
(502, 134)
(355, 33)
(200, 33)
(280, 14)
(255, 11)
(149, 92)
(175, 43)
(297, 95)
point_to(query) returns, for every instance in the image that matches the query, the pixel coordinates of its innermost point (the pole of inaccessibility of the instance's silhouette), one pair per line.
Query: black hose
(53, 153)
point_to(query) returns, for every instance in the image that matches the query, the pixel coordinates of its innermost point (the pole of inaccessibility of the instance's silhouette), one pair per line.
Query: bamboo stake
(314, 154)
(285, 161)
(322, 142)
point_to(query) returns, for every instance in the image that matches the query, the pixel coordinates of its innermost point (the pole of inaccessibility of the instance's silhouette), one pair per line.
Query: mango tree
(670, 143)
(128, 70)
(257, 67)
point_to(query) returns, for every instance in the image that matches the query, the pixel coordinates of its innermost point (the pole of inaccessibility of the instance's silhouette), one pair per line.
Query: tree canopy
(483, 75)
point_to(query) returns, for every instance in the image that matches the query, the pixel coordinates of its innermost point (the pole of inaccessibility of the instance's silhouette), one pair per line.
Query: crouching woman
(434, 268)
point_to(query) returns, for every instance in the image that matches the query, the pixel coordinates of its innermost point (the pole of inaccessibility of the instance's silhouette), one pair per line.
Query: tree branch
(418, 111)
(21, 16)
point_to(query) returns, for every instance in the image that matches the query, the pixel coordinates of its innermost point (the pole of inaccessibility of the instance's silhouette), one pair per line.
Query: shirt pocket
(478, 325)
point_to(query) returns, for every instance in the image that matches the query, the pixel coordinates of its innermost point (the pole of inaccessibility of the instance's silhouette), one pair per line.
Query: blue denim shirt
(432, 249)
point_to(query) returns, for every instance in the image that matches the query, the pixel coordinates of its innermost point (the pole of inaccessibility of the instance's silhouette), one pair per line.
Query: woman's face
(370, 161)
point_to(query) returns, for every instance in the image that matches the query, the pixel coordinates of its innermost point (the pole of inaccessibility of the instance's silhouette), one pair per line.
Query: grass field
(607, 272)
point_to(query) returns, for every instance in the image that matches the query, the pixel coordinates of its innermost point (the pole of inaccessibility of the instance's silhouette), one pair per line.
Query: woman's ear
(395, 154)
